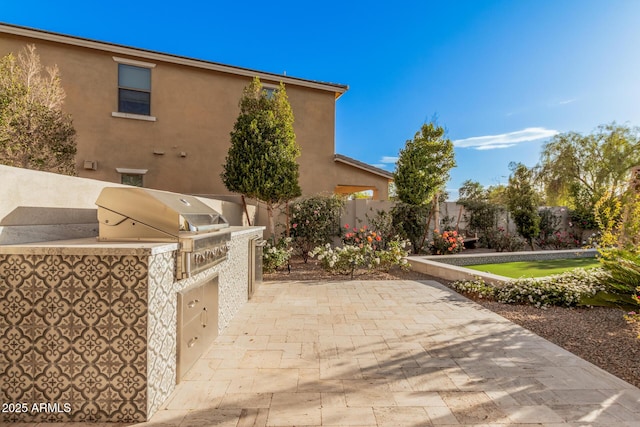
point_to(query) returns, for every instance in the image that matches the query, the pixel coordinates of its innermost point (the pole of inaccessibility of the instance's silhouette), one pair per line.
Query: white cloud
(380, 165)
(566, 101)
(493, 146)
(389, 159)
(505, 140)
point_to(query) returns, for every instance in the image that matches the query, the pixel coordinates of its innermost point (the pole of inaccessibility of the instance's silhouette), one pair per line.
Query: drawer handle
(193, 303)
(204, 317)
(192, 342)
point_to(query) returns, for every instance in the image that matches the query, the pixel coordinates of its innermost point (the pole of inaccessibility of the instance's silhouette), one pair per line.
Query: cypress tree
(261, 162)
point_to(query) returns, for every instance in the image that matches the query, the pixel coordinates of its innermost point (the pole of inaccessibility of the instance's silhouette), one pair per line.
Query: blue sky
(502, 76)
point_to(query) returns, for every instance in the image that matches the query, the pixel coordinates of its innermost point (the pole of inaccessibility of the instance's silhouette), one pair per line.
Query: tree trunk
(246, 211)
(426, 233)
(272, 224)
(286, 226)
(436, 208)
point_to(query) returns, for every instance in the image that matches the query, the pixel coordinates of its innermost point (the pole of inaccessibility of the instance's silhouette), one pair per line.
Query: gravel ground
(598, 335)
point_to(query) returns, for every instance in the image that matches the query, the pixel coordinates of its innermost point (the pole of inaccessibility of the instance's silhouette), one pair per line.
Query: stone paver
(392, 353)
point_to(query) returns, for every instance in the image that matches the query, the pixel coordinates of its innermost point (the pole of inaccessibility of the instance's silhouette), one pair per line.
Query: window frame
(140, 64)
(270, 89)
(132, 173)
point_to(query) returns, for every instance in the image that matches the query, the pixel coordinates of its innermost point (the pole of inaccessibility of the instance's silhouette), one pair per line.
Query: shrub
(449, 242)
(581, 220)
(501, 241)
(275, 254)
(624, 273)
(477, 288)
(620, 223)
(549, 222)
(393, 256)
(567, 289)
(361, 236)
(358, 253)
(341, 260)
(559, 240)
(410, 222)
(382, 222)
(314, 221)
(550, 236)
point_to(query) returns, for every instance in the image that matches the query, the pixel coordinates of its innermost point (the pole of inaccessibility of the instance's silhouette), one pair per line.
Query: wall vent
(91, 165)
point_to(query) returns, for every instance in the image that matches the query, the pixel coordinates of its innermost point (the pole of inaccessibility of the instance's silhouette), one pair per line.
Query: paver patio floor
(388, 353)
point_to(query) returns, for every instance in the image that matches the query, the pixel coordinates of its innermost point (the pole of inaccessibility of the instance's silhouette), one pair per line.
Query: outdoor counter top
(91, 246)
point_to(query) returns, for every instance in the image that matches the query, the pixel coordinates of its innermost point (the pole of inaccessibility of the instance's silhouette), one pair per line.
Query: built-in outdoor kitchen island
(101, 329)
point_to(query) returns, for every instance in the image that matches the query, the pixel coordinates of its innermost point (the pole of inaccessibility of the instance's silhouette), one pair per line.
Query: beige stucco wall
(347, 175)
(195, 111)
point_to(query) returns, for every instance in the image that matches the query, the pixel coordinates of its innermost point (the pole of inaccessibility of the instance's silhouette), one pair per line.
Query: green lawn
(539, 268)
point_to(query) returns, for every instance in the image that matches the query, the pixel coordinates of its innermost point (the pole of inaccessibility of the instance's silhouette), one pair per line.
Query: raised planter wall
(451, 267)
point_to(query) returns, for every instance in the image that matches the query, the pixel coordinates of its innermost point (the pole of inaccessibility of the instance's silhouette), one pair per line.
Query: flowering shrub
(394, 255)
(382, 222)
(449, 242)
(501, 241)
(341, 260)
(559, 240)
(362, 236)
(275, 254)
(477, 288)
(314, 221)
(362, 248)
(566, 289)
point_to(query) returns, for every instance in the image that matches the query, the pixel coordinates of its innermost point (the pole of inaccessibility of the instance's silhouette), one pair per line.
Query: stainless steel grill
(140, 214)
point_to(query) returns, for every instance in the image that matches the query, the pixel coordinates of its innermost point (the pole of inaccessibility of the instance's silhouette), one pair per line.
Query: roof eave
(363, 166)
(338, 89)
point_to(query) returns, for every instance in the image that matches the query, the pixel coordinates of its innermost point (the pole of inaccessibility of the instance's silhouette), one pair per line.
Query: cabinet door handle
(193, 303)
(192, 342)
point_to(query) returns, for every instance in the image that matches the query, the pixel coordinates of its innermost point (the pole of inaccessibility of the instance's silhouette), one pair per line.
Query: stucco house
(163, 121)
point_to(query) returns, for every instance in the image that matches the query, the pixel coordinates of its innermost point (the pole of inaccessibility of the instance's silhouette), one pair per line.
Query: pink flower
(346, 226)
(295, 225)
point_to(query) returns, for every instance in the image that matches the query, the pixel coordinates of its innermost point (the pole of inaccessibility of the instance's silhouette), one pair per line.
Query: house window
(131, 179)
(134, 90)
(270, 90)
(132, 176)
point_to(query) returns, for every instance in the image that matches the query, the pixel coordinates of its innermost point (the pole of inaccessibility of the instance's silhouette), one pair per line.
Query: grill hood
(152, 215)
